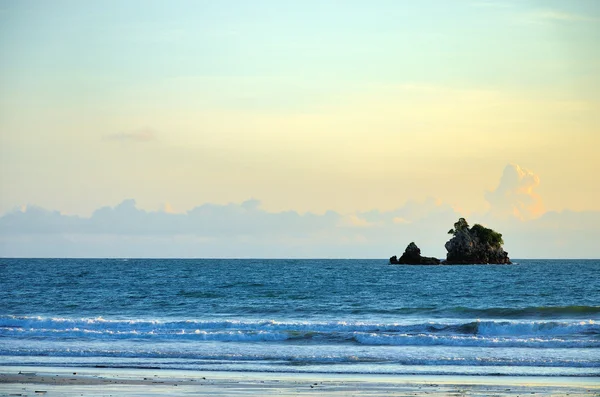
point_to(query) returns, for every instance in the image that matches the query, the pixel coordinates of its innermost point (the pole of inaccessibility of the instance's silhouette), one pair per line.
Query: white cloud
(515, 194)
(240, 230)
(545, 16)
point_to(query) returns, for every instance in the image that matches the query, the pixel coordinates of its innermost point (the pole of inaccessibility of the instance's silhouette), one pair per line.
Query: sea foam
(537, 334)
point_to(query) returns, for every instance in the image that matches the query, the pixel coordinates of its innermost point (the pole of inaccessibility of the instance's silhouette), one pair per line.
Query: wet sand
(50, 381)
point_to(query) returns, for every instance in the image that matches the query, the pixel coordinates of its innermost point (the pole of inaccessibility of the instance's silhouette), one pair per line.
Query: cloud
(140, 135)
(246, 218)
(245, 230)
(559, 16)
(565, 234)
(234, 229)
(168, 208)
(515, 194)
(353, 220)
(492, 4)
(412, 211)
(215, 220)
(563, 16)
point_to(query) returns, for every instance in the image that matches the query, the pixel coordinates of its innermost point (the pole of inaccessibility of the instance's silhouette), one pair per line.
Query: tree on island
(486, 235)
(461, 225)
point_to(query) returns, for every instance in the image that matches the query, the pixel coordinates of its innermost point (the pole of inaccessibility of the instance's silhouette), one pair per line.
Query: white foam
(538, 334)
(471, 341)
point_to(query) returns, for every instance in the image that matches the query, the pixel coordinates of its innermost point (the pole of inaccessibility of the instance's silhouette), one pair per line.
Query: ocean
(537, 317)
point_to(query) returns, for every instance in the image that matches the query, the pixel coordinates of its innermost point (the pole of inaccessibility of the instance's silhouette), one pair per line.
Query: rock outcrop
(475, 245)
(468, 246)
(412, 256)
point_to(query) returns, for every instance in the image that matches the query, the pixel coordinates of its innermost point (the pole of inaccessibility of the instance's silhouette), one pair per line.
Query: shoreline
(19, 380)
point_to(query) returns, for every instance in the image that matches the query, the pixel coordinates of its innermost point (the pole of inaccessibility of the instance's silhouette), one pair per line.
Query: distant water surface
(540, 317)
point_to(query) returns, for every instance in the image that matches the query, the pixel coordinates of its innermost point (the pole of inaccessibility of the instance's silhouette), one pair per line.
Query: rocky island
(412, 256)
(475, 245)
(468, 246)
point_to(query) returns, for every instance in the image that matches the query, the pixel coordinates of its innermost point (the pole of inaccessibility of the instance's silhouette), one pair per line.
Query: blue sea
(537, 317)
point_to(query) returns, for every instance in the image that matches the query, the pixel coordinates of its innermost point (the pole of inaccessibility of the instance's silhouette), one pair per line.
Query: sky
(284, 128)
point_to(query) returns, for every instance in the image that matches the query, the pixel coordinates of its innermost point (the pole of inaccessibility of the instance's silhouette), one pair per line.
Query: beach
(50, 381)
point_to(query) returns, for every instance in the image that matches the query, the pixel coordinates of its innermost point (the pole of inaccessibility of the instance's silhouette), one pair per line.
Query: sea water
(538, 317)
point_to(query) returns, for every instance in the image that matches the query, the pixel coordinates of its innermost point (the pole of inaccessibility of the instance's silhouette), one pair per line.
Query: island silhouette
(468, 246)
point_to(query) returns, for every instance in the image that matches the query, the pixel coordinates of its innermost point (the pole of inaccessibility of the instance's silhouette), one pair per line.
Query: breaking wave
(488, 333)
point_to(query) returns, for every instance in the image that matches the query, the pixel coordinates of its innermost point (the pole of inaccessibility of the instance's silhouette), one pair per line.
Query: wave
(281, 358)
(528, 312)
(531, 312)
(479, 327)
(356, 337)
(538, 334)
(472, 341)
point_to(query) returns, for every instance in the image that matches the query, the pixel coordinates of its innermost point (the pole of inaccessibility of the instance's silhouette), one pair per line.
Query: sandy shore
(29, 381)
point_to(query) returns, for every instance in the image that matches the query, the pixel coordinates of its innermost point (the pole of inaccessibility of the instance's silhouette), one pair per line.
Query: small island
(412, 256)
(469, 246)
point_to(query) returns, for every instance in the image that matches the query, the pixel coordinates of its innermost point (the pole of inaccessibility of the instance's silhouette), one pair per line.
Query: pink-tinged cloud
(168, 209)
(515, 194)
